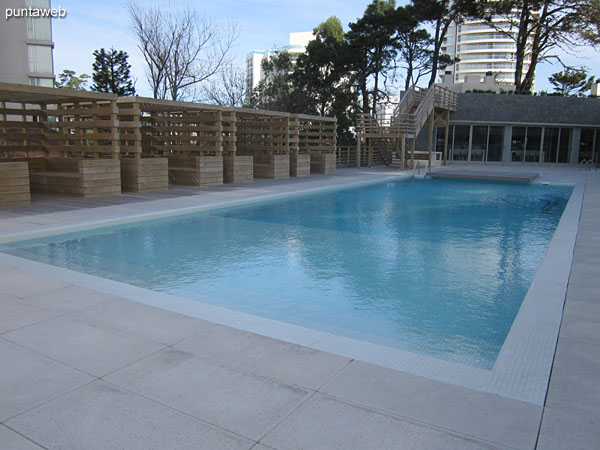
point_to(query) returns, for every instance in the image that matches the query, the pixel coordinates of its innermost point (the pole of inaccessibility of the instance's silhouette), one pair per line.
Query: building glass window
(45, 82)
(460, 150)
(495, 144)
(550, 144)
(440, 135)
(40, 58)
(596, 158)
(557, 145)
(586, 144)
(533, 144)
(564, 147)
(39, 29)
(479, 142)
(517, 149)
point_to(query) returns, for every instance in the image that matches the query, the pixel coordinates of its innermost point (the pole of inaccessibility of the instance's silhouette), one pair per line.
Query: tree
(228, 88)
(571, 82)
(111, 72)
(323, 79)
(540, 26)
(275, 91)
(414, 46)
(318, 70)
(373, 48)
(440, 14)
(589, 22)
(181, 48)
(67, 79)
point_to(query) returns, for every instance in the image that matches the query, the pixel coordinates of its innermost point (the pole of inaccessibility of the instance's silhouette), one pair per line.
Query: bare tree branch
(227, 88)
(181, 47)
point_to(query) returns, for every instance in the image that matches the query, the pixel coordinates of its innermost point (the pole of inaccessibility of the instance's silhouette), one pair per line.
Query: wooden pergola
(85, 144)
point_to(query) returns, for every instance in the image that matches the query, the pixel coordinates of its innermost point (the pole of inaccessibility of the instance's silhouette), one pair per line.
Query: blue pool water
(438, 267)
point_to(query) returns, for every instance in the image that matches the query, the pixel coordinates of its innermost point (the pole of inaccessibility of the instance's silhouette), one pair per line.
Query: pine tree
(571, 82)
(111, 72)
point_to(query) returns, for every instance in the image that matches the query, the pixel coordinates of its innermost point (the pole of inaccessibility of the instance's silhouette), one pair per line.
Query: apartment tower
(483, 48)
(26, 46)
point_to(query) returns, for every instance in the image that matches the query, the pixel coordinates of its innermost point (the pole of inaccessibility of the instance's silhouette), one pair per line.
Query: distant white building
(297, 45)
(483, 48)
(26, 46)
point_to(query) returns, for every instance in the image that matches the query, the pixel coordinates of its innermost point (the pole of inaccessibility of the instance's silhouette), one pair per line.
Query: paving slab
(328, 424)
(84, 346)
(15, 315)
(581, 321)
(280, 360)
(6, 299)
(484, 416)
(237, 401)
(10, 440)
(101, 416)
(575, 380)
(23, 284)
(584, 274)
(67, 299)
(563, 430)
(145, 321)
(28, 379)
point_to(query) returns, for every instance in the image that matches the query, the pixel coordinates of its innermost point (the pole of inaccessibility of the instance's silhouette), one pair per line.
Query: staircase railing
(411, 114)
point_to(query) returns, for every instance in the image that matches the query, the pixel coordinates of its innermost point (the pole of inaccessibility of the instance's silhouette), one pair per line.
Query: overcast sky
(262, 24)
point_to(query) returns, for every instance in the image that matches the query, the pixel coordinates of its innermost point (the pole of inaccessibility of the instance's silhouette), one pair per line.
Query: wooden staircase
(418, 108)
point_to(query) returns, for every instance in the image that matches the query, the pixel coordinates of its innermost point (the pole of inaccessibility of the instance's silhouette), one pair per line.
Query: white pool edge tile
(521, 370)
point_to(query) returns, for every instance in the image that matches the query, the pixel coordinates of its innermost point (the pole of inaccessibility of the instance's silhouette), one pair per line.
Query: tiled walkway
(86, 370)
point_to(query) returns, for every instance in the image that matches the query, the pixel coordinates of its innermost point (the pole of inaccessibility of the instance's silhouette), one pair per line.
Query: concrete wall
(14, 66)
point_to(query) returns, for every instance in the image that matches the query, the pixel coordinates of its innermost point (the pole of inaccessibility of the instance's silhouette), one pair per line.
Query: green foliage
(541, 27)
(111, 72)
(414, 46)
(571, 82)
(67, 79)
(373, 48)
(323, 71)
(275, 91)
(331, 29)
(589, 22)
(440, 14)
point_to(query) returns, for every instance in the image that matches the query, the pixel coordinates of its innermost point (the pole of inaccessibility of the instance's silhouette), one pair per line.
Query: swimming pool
(436, 267)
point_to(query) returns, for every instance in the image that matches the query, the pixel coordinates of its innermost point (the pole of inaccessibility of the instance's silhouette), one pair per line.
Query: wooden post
(358, 151)
(370, 155)
(430, 138)
(402, 150)
(412, 152)
(446, 137)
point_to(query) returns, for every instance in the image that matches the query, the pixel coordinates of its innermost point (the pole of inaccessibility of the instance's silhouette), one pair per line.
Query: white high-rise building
(254, 72)
(482, 48)
(26, 46)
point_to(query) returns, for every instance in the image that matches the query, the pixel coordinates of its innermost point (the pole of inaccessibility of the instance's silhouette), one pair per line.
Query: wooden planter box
(238, 169)
(144, 174)
(299, 164)
(322, 163)
(196, 170)
(75, 177)
(14, 184)
(275, 167)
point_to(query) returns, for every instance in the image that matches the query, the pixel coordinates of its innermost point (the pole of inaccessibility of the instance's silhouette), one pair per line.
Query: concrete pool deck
(86, 369)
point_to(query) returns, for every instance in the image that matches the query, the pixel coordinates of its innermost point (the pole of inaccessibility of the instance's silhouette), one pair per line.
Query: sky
(262, 24)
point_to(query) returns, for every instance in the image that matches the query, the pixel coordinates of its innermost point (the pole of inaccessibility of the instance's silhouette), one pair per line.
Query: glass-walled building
(522, 130)
(26, 46)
